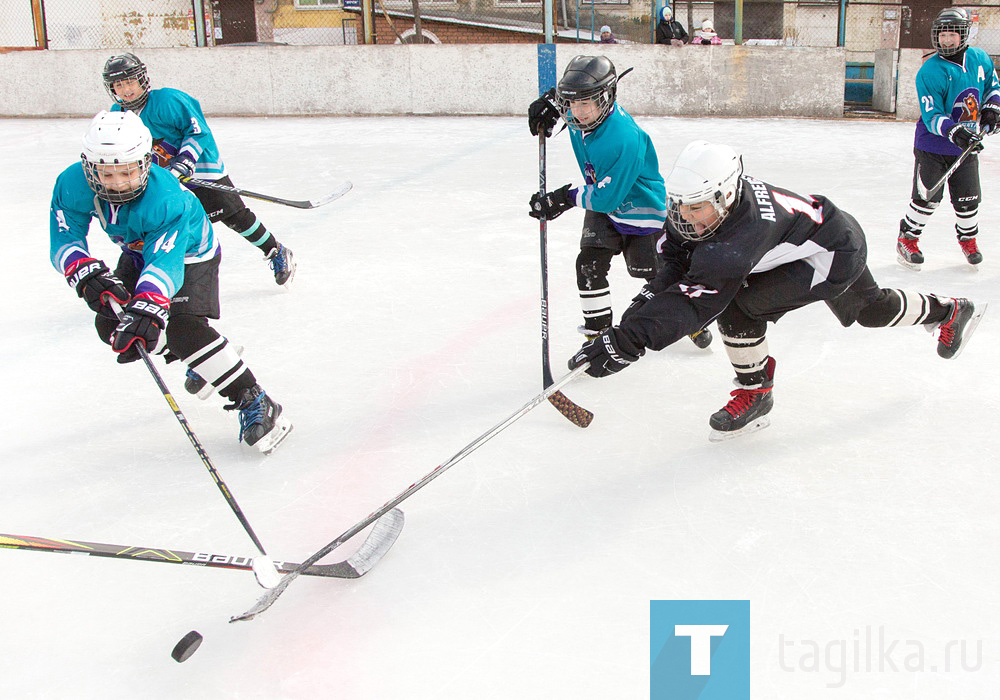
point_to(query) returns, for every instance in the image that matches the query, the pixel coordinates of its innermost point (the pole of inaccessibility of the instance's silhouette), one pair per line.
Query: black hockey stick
(267, 576)
(576, 414)
(267, 600)
(298, 204)
(375, 546)
(924, 193)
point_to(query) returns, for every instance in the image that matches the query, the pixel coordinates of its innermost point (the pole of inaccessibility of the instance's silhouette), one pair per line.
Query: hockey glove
(610, 352)
(181, 166)
(542, 114)
(141, 322)
(963, 137)
(552, 204)
(638, 301)
(988, 118)
(95, 284)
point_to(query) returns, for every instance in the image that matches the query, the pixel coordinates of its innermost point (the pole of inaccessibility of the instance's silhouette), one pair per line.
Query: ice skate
(971, 249)
(261, 422)
(702, 338)
(282, 263)
(955, 331)
(908, 251)
(747, 411)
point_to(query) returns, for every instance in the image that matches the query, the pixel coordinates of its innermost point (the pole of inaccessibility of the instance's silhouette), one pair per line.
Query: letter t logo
(701, 645)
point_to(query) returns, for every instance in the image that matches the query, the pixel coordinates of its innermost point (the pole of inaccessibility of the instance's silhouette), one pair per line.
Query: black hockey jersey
(769, 227)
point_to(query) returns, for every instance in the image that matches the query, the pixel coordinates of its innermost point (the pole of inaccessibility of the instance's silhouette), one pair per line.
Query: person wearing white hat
(669, 31)
(606, 36)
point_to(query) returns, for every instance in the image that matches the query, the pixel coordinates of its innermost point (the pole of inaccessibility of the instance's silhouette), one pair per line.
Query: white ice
(869, 505)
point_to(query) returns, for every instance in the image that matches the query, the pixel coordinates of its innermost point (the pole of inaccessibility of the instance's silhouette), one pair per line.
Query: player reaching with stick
(743, 252)
(167, 276)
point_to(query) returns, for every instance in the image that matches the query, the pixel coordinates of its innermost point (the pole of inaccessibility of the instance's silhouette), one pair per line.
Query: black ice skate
(702, 338)
(908, 251)
(747, 411)
(282, 263)
(955, 331)
(261, 422)
(971, 249)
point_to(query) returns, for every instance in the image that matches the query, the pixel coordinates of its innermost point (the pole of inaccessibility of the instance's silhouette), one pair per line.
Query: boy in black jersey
(743, 252)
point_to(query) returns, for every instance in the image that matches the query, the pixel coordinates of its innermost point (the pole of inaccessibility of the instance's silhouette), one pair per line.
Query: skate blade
(270, 442)
(907, 264)
(752, 427)
(970, 328)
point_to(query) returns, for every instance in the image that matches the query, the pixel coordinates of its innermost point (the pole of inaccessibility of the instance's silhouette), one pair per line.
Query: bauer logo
(699, 649)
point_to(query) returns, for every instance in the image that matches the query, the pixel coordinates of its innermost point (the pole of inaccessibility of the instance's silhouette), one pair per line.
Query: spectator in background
(706, 35)
(606, 36)
(669, 31)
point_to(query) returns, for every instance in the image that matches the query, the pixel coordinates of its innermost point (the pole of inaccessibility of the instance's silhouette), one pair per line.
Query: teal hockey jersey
(950, 93)
(622, 174)
(163, 229)
(178, 125)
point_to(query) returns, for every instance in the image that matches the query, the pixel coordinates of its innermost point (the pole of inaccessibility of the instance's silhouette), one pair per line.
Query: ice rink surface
(867, 511)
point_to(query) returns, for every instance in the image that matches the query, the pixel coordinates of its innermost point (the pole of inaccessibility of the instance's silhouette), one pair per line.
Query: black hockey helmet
(587, 77)
(951, 19)
(126, 66)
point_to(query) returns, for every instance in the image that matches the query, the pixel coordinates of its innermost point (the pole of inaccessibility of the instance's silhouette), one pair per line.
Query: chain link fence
(77, 24)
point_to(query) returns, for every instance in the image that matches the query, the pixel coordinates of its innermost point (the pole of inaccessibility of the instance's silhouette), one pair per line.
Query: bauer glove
(963, 137)
(610, 352)
(542, 114)
(182, 166)
(95, 284)
(988, 118)
(552, 204)
(141, 322)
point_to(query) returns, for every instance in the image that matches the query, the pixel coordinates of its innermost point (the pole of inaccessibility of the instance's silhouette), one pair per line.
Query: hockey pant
(188, 334)
(599, 243)
(963, 188)
(230, 209)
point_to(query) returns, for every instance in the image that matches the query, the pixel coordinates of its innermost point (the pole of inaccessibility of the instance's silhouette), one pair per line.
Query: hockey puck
(186, 647)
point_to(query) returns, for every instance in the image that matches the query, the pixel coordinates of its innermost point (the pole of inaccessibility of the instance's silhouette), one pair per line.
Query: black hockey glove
(553, 204)
(542, 114)
(638, 301)
(182, 166)
(988, 118)
(141, 322)
(608, 353)
(95, 284)
(963, 137)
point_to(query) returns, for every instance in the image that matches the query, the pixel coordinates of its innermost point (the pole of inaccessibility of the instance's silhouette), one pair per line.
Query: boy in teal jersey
(167, 277)
(622, 192)
(184, 144)
(959, 99)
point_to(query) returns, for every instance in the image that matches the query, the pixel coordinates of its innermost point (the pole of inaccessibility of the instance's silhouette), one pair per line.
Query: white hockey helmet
(117, 151)
(703, 172)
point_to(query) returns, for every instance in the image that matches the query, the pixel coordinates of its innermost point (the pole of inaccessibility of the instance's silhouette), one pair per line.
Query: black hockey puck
(187, 646)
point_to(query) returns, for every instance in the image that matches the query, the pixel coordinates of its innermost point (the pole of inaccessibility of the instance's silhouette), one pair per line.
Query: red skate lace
(742, 400)
(946, 333)
(969, 246)
(911, 244)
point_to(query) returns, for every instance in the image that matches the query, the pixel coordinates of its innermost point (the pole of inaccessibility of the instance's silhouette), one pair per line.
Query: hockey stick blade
(354, 566)
(577, 415)
(298, 204)
(378, 542)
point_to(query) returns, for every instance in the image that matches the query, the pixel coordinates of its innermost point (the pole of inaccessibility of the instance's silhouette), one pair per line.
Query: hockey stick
(267, 576)
(576, 414)
(298, 204)
(924, 193)
(267, 600)
(375, 546)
